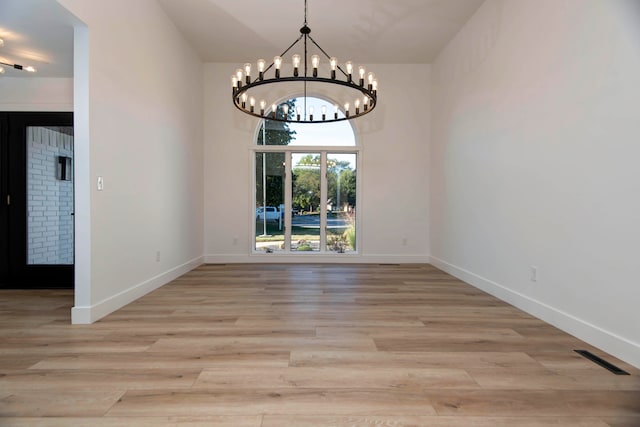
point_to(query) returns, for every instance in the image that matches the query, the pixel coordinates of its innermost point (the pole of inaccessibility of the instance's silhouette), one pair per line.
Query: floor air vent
(601, 362)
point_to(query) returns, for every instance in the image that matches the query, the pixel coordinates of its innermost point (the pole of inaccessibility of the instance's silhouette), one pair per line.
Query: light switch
(100, 184)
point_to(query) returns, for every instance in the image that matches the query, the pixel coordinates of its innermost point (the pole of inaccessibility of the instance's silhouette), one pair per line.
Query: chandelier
(257, 93)
(16, 66)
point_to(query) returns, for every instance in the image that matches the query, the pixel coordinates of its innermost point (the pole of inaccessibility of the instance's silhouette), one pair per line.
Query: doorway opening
(37, 202)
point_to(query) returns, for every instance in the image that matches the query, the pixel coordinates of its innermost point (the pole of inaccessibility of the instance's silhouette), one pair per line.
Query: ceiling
(37, 33)
(365, 31)
(40, 32)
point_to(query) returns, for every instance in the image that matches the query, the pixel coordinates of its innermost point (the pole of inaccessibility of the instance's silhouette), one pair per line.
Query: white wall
(393, 202)
(143, 95)
(535, 162)
(36, 94)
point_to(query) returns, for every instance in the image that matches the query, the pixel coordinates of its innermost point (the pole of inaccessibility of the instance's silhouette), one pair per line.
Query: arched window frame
(289, 151)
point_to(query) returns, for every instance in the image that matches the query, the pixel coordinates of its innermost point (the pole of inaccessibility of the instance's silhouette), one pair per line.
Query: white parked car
(272, 213)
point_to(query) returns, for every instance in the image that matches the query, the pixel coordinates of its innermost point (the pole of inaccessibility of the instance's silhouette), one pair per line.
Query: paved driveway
(313, 221)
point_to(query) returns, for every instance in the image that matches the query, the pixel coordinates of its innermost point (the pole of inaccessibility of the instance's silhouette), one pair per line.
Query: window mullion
(287, 201)
(323, 201)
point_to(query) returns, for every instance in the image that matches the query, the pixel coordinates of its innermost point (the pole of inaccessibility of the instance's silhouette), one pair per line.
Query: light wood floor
(303, 346)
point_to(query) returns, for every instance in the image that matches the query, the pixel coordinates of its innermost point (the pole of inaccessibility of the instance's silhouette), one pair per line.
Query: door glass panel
(50, 195)
(269, 210)
(305, 201)
(341, 202)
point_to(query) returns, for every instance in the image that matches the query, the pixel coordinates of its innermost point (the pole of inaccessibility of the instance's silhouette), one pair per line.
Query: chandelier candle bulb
(346, 109)
(324, 112)
(349, 66)
(263, 104)
(315, 62)
(234, 82)
(370, 78)
(244, 100)
(335, 111)
(298, 113)
(365, 103)
(296, 64)
(252, 103)
(247, 72)
(311, 113)
(277, 61)
(361, 71)
(357, 105)
(374, 86)
(239, 77)
(333, 62)
(261, 63)
(274, 108)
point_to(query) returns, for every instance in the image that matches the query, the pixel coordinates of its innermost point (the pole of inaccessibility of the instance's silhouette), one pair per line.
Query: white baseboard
(609, 342)
(90, 314)
(308, 258)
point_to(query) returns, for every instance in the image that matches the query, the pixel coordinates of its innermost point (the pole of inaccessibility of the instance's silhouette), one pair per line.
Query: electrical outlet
(533, 273)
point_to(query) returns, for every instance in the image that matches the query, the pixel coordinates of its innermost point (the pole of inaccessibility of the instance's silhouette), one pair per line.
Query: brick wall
(49, 199)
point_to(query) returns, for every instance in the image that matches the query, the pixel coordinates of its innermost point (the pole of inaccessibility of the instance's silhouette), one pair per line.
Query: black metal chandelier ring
(247, 104)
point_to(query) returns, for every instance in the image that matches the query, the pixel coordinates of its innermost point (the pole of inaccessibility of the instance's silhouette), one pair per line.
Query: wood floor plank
(422, 333)
(37, 346)
(136, 361)
(219, 421)
(53, 331)
(622, 421)
(430, 421)
(18, 361)
(211, 345)
(434, 359)
(274, 401)
(330, 319)
(477, 342)
(598, 403)
(573, 361)
(335, 378)
(545, 379)
(76, 379)
(59, 403)
(208, 331)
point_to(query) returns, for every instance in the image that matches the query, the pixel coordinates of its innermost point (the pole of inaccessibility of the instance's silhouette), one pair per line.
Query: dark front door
(36, 217)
